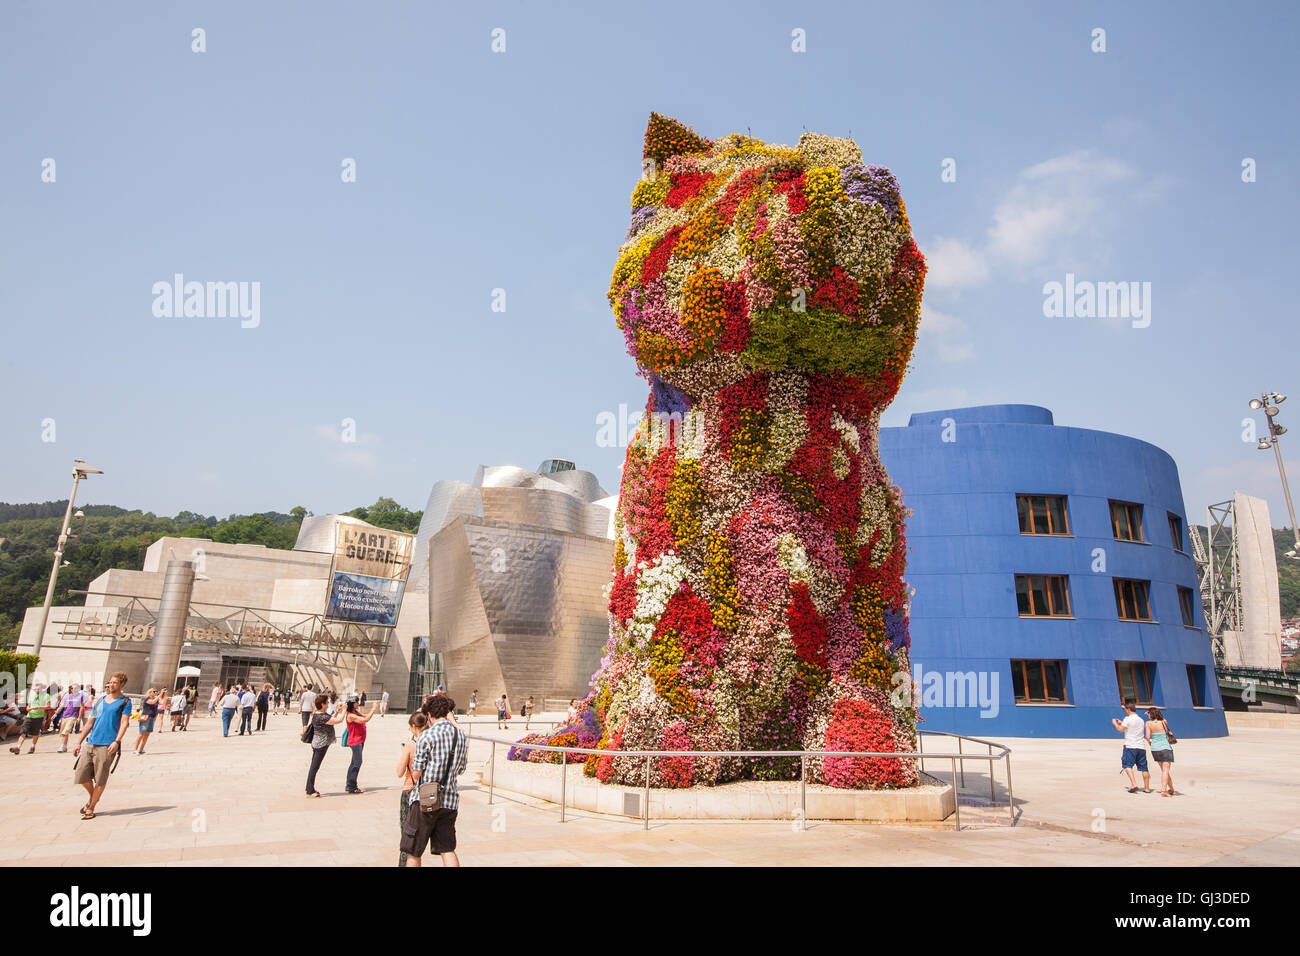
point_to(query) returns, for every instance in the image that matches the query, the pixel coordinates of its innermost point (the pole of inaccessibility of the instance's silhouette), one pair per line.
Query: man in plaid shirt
(440, 744)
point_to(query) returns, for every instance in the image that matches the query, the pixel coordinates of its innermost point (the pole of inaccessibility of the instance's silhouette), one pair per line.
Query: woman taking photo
(148, 717)
(418, 722)
(356, 725)
(322, 725)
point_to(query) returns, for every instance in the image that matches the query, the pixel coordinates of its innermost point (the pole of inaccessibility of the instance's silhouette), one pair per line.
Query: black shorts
(437, 829)
(32, 726)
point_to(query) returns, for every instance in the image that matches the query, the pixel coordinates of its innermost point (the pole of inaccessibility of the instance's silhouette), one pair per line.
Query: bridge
(1257, 688)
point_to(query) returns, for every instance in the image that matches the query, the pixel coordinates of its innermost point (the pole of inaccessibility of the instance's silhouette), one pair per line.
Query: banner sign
(368, 576)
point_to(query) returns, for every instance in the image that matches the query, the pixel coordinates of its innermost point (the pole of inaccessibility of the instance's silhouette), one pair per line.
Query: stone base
(930, 801)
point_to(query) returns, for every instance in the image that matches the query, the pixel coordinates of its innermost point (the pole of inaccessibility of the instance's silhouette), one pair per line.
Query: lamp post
(79, 470)
(1269, 402)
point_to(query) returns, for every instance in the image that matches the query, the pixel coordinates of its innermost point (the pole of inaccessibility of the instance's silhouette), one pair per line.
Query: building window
(1135, 681)
(1188, 608)
(1042, 514)
(1196, 680)
(1176, 531)
(1043, 595)
(1132, 599)
(1126, 521)
(1038, 682)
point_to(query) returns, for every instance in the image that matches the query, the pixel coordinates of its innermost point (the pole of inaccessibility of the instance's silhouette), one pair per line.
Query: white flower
(656, 585)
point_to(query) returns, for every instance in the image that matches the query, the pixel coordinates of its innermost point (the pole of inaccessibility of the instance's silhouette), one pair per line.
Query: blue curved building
(1052, 577)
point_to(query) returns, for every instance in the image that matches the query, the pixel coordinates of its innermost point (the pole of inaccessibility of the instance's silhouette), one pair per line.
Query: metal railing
(958, 777)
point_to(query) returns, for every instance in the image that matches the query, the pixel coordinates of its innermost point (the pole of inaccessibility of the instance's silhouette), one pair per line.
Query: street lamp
(80, 470)
(1269, 402)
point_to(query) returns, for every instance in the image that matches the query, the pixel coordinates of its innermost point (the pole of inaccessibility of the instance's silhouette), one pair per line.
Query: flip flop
(1133, 789)
(88, 815)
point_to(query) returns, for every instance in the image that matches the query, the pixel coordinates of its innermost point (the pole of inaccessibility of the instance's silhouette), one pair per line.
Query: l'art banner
(369, 575)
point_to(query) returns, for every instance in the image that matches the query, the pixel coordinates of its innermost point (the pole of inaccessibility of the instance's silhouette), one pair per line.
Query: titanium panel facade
(516, 593)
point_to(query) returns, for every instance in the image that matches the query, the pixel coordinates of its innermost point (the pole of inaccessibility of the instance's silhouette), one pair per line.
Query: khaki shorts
(93, 763)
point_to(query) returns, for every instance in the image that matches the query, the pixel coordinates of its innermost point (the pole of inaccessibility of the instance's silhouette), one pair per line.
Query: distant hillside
(112, 537)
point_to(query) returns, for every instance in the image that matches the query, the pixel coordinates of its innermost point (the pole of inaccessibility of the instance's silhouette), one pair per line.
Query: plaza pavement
(197, 799)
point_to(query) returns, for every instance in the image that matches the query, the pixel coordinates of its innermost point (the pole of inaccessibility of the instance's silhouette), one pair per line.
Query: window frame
(1128, 516)
(1065, 515)
(1176, 532)
(1195, 678)
(1020, 665)
(1047, 590)
(1148, 675)
(1117, 583)
(1187, 606)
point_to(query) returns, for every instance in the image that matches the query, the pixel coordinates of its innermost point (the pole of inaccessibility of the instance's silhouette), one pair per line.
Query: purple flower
(874, 185)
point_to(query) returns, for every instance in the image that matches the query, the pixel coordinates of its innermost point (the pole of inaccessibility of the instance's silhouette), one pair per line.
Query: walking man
(229, 707)
(1134, 729)
(215, 696)
(383, 703)
(308, 705)
(246, 701)
(38, 702)
(109, 719)
(442, 754)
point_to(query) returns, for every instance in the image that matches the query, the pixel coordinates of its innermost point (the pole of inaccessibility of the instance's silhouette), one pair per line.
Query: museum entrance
(254, 672)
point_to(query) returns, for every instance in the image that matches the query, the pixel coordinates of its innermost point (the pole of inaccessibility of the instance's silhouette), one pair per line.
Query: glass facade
(426, 674)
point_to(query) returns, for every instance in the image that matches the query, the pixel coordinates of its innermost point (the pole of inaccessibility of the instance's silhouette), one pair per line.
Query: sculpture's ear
(665, 138)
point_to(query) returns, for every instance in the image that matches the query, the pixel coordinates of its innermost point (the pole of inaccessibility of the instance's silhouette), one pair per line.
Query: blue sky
(479, 171)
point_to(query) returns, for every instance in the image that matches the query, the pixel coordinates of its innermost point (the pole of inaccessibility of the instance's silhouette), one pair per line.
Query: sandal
(1132, 789)
(314, 793)
(87, 814)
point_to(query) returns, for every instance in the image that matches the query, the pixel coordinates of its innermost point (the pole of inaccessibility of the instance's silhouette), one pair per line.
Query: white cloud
(953, 264)
(946, 334)
(1050, 207)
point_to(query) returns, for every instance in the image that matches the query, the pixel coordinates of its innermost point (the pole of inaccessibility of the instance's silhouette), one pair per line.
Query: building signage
(259, 636)
(368, 575)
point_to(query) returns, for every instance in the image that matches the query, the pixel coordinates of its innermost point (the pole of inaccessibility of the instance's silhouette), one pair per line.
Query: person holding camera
(441, 755)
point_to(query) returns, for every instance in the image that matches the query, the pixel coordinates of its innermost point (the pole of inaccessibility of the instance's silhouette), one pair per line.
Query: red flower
(684, 186)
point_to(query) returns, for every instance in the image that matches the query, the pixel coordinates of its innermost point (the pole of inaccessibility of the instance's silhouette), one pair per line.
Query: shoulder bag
(431, 794)
(1169, 734)
(309, 732)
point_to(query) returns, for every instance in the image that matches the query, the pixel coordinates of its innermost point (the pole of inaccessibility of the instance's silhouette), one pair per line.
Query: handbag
(345, 736)
(308, 733)
(431, 794)
(1169, 734)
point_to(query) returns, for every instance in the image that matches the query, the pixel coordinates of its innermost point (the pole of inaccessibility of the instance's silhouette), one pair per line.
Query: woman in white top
(573, 710)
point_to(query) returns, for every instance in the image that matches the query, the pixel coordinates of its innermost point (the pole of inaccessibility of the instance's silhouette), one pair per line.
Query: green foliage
(112, 537)
(17, 666)
(1288, 572)
(820, 340)
(387, 513)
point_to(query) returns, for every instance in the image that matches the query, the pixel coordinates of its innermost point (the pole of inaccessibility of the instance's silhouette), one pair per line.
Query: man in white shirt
(383, 703)
(308, 705)
(1134, 730)
(246, 701)
(229, 707)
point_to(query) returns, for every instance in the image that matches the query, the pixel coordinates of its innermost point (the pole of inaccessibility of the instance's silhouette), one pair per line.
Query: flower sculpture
(770, 295)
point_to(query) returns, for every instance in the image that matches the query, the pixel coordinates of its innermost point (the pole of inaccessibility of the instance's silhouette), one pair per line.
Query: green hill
(112, 537)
